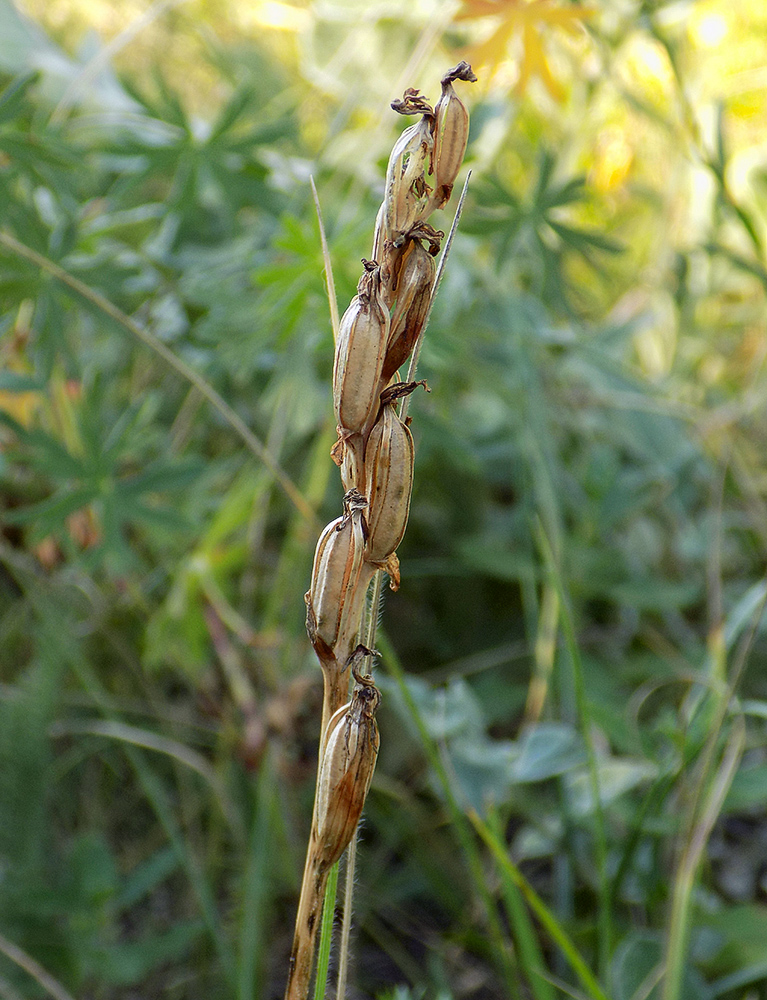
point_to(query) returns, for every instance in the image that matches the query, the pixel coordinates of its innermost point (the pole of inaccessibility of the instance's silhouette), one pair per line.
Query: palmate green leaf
(50, 515)
(162, 518)
(582, 240)
(48, 455)
(13, 97)
(160, 477)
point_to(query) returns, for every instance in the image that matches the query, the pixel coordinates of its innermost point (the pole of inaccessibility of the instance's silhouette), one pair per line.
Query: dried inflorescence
(378, 333)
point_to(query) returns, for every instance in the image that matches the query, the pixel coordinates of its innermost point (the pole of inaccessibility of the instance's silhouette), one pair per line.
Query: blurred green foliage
(572, 787)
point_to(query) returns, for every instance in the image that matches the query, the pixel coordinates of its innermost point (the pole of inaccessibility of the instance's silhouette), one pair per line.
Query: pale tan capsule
(407, 195)
(451, 134)
(414, 285)
(350, 749)
(340, 576)
(389, 457)
(360, 351)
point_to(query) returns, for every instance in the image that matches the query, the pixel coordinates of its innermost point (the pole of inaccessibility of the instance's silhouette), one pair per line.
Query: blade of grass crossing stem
(705, 812)
(548, 921)
(500, 948)
(684, 883)
(330, 283)
(437, 281)
(326, 934)
(530, 956)
(604, 936)
(253, 935)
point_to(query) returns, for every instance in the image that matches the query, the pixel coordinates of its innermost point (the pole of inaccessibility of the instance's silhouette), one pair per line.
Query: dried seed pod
(350, 749)
(414, 285)
(389, 457)
(451, 134)
(362, 338)
(407, 195)
(340, 577)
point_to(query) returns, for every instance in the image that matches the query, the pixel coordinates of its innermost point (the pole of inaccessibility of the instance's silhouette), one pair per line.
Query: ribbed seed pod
(414, 284)
(340, 576)
(346, 769)
(360, 351)
(389, 457)
(451, 134)
(407, 196)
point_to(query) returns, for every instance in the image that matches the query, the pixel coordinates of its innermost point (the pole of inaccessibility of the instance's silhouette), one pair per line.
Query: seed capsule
(389, 457)
(340, 576)
(362, 338)
(451, 134)
(407, 194)
(346, 769)
(414, 285)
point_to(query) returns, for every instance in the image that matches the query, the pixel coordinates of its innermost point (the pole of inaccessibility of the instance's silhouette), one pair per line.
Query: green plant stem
(684, 883)
(326, 934)
(253, 443)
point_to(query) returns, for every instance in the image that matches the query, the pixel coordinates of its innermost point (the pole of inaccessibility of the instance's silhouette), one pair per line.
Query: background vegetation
(570, 797)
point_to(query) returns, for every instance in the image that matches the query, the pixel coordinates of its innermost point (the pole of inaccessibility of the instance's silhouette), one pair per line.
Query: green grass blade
(530, 956)
(550, 924)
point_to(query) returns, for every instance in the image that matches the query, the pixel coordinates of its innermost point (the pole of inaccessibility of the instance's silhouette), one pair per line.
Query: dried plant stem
(374, 338)
(374, 611)
(307, 923)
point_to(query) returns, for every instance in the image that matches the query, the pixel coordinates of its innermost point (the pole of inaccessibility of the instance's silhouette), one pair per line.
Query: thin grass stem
(24, 961)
